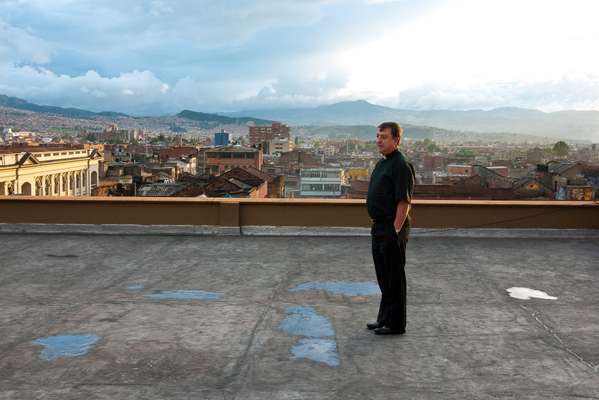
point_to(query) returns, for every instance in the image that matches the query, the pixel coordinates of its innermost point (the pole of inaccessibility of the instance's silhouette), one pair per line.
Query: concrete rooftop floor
(467, 338)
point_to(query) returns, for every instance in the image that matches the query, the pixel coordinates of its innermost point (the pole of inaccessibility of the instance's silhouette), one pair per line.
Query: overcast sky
(160, 56)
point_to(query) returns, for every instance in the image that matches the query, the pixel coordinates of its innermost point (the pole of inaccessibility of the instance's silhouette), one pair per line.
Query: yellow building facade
(49, 171)
(357, 173)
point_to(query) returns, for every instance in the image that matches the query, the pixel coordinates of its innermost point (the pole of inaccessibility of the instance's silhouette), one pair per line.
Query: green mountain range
(20, 104)
(573, 125)
(221, 119)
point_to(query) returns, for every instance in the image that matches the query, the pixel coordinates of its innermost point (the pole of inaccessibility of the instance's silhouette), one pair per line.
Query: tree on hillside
(561, 149)
(160, 139)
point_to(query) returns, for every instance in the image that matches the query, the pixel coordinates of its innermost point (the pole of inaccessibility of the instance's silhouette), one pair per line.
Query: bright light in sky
(469, 44)
(157, 56)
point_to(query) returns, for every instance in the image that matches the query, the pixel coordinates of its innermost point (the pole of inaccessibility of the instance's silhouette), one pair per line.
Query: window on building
(311, 174)
(312, 187)
(331, 188)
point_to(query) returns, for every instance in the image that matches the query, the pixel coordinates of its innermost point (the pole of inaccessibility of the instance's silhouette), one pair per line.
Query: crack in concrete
(238, 378)
(537, 315)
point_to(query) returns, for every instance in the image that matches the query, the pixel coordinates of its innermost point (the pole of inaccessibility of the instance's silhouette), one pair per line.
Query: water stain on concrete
(304, 321)
(523, 293)
(340, 287)
(135, 287)
(65, 346)
(319, 350)
(184, 295)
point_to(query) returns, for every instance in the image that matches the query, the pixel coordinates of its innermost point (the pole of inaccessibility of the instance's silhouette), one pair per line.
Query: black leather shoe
(373, 325)
(385, 330)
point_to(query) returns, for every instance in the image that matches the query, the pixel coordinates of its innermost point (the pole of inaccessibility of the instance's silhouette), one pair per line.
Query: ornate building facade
(48, 171)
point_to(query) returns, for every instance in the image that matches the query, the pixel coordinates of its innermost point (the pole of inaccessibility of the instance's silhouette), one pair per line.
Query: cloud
(136, 91)
(158, 56)
(20, 46)
(569, 92)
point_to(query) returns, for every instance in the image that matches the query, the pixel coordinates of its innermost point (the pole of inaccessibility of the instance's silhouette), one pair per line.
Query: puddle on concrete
(319, 350)
(65, 346)
(135, 287)
(523, 293)
(184, 295)
(304, 321)
(340, 287)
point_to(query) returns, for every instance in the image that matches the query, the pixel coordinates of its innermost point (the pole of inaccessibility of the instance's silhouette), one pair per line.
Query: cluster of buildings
(506, 172)
(115, 135)
(270, 164)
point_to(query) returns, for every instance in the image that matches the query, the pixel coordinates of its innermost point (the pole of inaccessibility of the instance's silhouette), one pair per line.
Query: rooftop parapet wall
(293, 212)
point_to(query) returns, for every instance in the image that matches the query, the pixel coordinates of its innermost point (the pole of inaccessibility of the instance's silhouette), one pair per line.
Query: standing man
(389, 197)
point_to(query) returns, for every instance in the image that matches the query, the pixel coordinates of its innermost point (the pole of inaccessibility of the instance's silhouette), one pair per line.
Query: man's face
(385, 141)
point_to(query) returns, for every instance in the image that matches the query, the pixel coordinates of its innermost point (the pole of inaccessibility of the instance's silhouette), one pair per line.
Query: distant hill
(214, 119)
(20, 104)
(366, 132)
(573, 125)
(220, 119)
(357, 119)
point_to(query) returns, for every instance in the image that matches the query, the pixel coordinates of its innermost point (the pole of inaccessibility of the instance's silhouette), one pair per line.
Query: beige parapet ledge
(256, 214)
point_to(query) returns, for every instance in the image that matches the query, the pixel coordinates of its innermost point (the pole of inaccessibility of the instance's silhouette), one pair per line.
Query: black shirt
(391, 181)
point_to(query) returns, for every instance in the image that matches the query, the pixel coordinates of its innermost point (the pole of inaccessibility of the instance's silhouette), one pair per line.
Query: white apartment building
(321, 182)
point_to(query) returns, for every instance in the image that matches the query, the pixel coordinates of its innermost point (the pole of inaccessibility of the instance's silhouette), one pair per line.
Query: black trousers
(389, 255)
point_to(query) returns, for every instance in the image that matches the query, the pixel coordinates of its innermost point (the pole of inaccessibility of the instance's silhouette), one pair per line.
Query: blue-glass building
(221, 138)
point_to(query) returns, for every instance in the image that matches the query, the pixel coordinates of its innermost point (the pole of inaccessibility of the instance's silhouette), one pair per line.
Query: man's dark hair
(396, 130)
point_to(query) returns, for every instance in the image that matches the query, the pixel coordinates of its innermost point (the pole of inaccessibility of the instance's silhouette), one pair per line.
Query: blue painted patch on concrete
(339, 287)
(65, 346)
(135, 287)
(184, 295)
(319, 350)
(304, 321)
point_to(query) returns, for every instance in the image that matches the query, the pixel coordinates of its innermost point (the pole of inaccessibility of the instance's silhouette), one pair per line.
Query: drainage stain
(523, 293)
(319, 350)
(184, 295)
(135, 287)
(304, 321)
(338, 287)
(65, 346)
